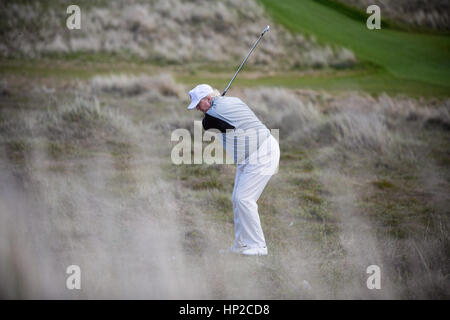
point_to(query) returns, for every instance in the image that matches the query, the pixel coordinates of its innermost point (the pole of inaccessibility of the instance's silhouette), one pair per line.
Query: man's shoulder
(223, 101)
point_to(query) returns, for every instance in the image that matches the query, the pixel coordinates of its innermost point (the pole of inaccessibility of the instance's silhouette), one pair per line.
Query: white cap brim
(193, 104)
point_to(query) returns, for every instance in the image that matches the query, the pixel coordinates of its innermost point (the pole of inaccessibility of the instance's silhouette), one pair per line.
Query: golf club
(243, 62)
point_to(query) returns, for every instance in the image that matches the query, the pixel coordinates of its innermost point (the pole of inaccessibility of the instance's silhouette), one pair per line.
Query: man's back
(234, 111)
(249, 132)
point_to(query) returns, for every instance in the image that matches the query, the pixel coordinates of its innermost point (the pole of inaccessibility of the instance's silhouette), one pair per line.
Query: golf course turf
(404, 55)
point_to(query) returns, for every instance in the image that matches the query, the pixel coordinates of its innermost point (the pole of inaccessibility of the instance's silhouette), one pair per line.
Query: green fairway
(371, 81)
(406, 55)
(365, 78)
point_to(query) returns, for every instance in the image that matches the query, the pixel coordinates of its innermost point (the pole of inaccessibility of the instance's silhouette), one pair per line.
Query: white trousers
(251, 179)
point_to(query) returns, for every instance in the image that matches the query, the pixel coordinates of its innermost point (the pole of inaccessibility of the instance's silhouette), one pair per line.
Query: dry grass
(88, 181)
(162, 31)
(156, 88)
(434, 14)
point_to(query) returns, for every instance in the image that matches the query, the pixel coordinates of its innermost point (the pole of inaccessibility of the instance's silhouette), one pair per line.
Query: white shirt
(249, 132)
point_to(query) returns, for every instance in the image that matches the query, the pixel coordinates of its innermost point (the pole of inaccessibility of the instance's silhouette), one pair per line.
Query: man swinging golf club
(256, 153)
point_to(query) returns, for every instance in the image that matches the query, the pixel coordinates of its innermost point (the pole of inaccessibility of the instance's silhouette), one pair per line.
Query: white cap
(198, 93)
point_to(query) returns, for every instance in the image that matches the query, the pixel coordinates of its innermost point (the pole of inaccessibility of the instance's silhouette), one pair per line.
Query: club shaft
(243, 62)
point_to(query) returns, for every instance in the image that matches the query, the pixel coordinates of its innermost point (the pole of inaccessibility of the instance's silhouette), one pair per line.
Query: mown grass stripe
(406, 55)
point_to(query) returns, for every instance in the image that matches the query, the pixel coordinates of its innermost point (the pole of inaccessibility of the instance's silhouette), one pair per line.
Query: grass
(302, 218)
(383, 184)
(69, 69)
(403, 55)
(390, 60)
(16, 150)
(374, 81)
(365, 77)
(360, 14)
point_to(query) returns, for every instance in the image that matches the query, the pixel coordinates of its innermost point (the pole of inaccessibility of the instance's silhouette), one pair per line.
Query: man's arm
(210, 122)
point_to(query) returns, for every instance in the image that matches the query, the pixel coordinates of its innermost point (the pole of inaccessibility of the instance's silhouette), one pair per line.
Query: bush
(158, 87)
(161, 31)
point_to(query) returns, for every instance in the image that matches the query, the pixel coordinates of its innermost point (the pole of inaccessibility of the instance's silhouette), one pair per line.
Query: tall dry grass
(88, 181)
(159, 87)
(81, 184)
(354, 138)
(434, 14)
(161, 31)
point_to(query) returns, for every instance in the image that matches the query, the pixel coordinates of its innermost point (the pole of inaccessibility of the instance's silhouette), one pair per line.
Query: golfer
(256, 153)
